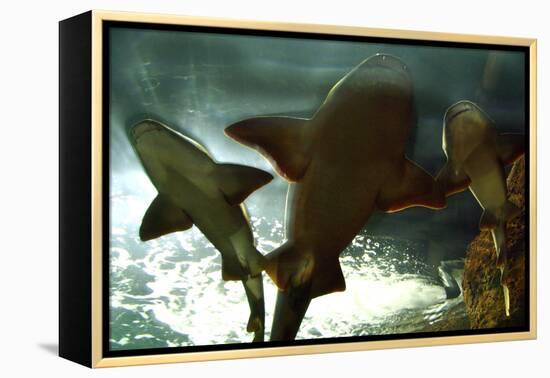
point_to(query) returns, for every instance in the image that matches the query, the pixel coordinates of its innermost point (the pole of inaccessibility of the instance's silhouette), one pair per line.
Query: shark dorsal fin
(238, 181)
(162, 218)
(510, 147)
(284, 141)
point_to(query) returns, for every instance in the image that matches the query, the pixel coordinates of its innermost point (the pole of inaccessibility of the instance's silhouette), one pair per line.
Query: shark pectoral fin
(162, 218)
(450, 182)
(488, 221)
(238, 181)
(284, 141)
(510, 147)
(408, 187)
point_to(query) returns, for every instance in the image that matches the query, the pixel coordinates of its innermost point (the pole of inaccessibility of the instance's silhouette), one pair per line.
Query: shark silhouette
(345, 162)
(194, 189)
(476, 157)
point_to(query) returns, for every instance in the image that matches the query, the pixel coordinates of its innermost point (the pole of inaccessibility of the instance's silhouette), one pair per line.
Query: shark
(193, 189)
(476, 158)
(345, 162)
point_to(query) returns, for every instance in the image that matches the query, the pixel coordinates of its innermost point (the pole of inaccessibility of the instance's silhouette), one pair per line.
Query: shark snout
(458, 108)
(144, 127)
(387, 61)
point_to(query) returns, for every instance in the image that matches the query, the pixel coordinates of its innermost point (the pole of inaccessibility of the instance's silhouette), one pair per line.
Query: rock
(481, 282)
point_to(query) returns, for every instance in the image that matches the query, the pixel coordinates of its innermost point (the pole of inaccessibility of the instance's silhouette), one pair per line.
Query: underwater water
(168, 292)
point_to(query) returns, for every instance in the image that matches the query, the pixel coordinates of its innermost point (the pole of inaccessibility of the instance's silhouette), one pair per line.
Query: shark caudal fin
(238, 181)
(411, 186)
(162, 218)
(510, 147)
(284, 141)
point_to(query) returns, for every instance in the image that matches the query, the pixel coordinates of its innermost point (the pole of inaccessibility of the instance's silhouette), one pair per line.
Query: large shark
(476, 157)
(345, 162)
(194, 189)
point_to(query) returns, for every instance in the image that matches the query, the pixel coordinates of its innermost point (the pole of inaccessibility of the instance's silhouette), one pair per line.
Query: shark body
(345, 162)
(194, 189)
(476, 158)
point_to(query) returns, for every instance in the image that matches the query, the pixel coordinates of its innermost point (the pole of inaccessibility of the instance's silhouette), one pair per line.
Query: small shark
(476, 157)
(345, 162)
(447, 278)
(194, 189)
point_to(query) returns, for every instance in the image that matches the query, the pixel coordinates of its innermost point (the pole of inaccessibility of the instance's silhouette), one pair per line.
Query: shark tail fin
(238, 181)
(510, 147)
(284, 141)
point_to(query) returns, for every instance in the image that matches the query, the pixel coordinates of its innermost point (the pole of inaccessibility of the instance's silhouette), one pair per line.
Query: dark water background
(198, 83)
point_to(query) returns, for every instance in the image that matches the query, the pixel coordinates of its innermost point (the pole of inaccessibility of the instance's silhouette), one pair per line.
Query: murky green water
(169, 292)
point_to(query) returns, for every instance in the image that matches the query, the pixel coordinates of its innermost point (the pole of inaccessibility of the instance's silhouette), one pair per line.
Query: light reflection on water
(168, 292)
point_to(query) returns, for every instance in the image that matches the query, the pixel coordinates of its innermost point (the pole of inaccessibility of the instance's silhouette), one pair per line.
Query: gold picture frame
(82, 188)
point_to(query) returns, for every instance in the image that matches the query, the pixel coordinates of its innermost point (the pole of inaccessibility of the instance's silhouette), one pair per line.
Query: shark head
(381, 80)
(387, 71)
(466, 125)
(149, 131)
(142, 128)
(150, 135)
(152, 140)
(468, 109)
(386, 61)
(162, 150)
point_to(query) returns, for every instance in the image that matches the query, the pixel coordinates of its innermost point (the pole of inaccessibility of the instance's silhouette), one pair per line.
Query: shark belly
(194, 189)
(225, 226)
(324, 202)
(197, 194)
(476, 158)
(347, 170)
(344, 162)
(488, 183)
(334, 201)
